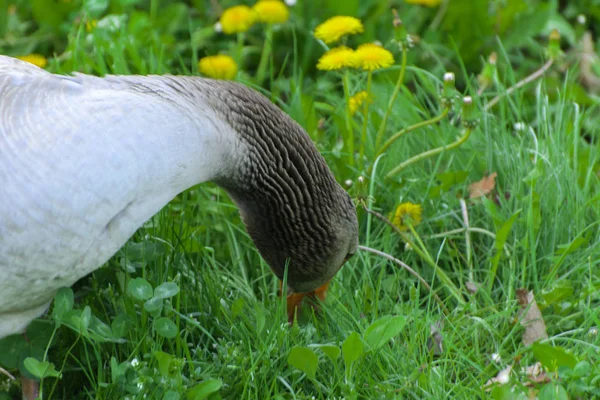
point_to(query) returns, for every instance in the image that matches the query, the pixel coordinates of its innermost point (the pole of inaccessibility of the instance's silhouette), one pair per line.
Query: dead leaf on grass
(502, 378)
(483, 187)
(531, 318)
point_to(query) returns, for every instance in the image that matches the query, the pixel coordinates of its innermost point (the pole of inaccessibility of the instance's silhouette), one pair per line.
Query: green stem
(421, 252)
(411, 128)
(399, 82)
(239, 49)
(349, 139)
(266, 54)
(430, 153)
(363, 135)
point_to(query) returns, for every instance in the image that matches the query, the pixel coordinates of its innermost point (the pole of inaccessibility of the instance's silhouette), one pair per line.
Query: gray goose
(85, 161)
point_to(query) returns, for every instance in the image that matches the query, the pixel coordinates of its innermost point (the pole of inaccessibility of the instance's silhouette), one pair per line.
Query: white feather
(84, 161)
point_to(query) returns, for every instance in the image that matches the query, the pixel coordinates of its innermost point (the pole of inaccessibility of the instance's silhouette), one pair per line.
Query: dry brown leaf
(483, 187)
(502, 378)
(472, 287)
(435, 341)
(531, 318)
(536, 374)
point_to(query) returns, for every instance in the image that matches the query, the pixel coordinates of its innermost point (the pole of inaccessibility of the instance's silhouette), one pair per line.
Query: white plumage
(77, 179)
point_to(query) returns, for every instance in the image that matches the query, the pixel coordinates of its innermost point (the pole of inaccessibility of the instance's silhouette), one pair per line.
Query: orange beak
(294, 300)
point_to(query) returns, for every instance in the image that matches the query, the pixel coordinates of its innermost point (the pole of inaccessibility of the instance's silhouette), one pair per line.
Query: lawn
(468, 141)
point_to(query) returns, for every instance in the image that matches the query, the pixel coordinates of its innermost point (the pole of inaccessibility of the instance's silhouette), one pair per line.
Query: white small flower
(519, 126)
(218, 27)
(496, 358)
(348, 182)
(449, 77)
(140, 385)
(135, 362)
(361, 179)
(290, 3)
(593, 331)
(581, 19)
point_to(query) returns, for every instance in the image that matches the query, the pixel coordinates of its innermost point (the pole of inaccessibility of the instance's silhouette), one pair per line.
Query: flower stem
(349, 139)
(421, 252)
(266, 55)
(411, 128)
(530, 78)
(363, 135)
(430, 153)
(410, 271)
(399, 82)
(239, 49)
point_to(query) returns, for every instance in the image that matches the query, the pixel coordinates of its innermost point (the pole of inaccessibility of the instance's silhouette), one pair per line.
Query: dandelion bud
(488, 73)
(401, 36)
(470, 114)
(449, 90)
(553, 50)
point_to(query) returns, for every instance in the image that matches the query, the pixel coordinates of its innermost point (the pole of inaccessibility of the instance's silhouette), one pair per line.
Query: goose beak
(294, 300)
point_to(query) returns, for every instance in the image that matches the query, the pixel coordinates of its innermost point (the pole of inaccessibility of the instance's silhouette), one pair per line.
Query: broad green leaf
(333, 352)
(154, 306)
(63, 303)
(553, 391)
(237, 307)
(559, 292)
(11, 348)
(352, 348)
(164, 362)
(171, 395)
(165, 327)
(204, 389)
(382, 330)
(304, 359)
(41, 369)
(553, 357)
(139, 289)
(121, 325)
(166, 290)
(95, 8)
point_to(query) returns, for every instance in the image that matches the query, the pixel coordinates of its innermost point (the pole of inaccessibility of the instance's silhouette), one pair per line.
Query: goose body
(85, 161)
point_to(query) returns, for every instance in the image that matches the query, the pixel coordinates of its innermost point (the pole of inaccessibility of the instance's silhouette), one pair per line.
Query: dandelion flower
(218, 67)
(35, 59)
(371, 57)
(237, 19)
(428, 3)
(358, 100)
(337, 58)
(407, 214)
(335, 28)
(271, 11)
(90, 24)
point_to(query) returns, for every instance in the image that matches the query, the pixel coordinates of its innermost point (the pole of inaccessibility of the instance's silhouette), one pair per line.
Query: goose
(86, 160)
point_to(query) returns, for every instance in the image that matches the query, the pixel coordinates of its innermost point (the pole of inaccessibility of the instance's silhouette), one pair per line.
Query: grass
(224, 330)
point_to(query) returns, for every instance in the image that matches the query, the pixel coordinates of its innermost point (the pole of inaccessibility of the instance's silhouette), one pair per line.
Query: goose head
(298, 216)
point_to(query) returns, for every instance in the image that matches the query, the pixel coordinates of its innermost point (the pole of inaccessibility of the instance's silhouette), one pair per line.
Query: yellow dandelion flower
(371, 56)
(358, 100)
(337, 58)
(35, 59)
(335, 28)
(407, 214)
(428, 3)
(218, 67)
(271, 11)
(90, 24)
(237, 19)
